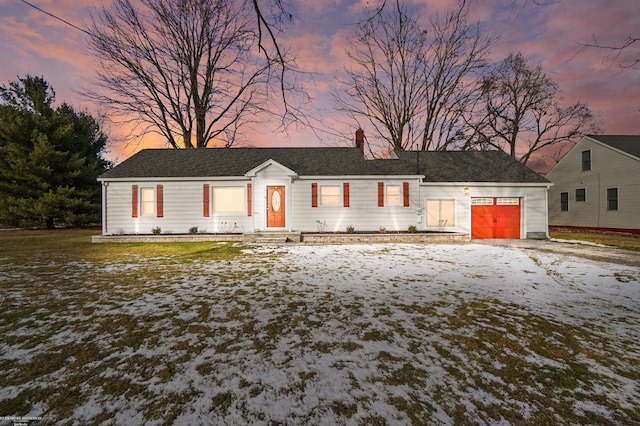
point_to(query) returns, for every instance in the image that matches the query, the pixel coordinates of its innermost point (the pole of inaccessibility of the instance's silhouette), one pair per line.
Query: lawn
(214, 333)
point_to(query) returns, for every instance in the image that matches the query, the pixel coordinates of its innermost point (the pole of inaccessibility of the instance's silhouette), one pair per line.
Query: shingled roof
(441, 166)
(626, 143)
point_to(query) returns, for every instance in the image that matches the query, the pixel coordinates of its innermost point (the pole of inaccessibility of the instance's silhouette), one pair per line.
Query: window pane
(330, 195)
(581, 194)
(393, 195)
(147, 204)
(441, 213)
(612, 199)
(586, 160)
(228, 199)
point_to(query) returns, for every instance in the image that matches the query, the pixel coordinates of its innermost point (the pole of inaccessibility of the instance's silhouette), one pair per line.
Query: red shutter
(345, 194)
(380, 194)
(405, 193)
(249, 206)
(134, 201)
(205, 200)
(314, 194)
(159, 201)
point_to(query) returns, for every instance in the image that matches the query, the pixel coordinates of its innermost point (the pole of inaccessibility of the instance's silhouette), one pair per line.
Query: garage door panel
(495, 218)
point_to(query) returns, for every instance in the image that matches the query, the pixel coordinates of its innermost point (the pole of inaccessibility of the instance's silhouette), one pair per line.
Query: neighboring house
(596, 185)
(243, 190)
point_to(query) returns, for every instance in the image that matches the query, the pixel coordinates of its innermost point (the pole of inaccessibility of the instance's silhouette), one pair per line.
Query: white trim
(176, 179)
(488, 184)
(287, 171)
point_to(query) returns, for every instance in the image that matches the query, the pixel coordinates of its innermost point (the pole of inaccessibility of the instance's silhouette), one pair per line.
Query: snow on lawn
(348, 334)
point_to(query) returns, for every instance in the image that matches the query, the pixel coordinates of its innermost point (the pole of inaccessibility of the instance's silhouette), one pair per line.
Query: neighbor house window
(228, 199)
(330, 195)
(564, 201)
(441, 213)
(581, 194)
(147, 201)
(612, 199)
(393, 195)
(586, 160)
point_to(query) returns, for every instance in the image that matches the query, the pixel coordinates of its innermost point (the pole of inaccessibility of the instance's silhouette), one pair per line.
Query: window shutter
(405, 193)
(134, 201)
(249, 203)
(345, 194)
(380, 194)
(159, 201)
(314, 194)
(205, 200)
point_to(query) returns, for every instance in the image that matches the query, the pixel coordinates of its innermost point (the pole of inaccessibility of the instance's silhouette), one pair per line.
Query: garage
(495, 217)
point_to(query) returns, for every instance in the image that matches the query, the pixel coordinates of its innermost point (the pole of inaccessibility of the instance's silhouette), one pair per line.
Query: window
(228, 199)
(330, 195)
(586, 160)
(564, 201)
(147, 201)
(441, 213)
(581, 194)
(393, 195)
(612, 199)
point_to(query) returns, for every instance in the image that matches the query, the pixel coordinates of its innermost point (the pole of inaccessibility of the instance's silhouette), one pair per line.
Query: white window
(482, 201)
(330, 195)
(393, 195)
(147, 201)
(508, 201)
(228, 199)
(441, 213)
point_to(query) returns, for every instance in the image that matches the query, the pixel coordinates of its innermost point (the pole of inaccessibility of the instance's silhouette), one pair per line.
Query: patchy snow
(347, 334)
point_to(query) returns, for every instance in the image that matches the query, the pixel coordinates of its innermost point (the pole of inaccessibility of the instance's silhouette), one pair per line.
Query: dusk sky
(37, 44)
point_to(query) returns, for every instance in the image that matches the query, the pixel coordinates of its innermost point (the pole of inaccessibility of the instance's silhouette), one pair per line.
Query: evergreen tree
(49, 159)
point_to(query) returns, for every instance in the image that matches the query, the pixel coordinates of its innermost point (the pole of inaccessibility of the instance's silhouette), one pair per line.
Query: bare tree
(412, 84)
(183, 68)
(522, 112)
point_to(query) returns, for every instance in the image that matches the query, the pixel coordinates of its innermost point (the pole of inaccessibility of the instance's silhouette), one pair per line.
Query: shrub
(193, 230)
(156, 230)
(412, 229)
(351, 229)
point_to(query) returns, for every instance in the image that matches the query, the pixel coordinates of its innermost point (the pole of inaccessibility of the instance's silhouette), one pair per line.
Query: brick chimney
(360, 139)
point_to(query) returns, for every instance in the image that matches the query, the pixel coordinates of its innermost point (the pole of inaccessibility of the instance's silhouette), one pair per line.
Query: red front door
(275, 207)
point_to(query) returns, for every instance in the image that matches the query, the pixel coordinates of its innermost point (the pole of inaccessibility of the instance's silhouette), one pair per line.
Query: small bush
(193, 230)
(412, 229)
(351, 229)
(156, 230)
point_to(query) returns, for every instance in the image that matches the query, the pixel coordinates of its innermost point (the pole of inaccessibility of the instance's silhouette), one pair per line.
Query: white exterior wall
(609, 169)
(363, 213)
(533, 199)
(183, 209)
(183, 205)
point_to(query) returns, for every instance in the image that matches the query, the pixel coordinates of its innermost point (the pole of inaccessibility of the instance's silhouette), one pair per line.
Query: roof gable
(287, 171)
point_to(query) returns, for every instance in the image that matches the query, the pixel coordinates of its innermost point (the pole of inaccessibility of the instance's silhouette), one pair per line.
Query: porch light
(466, 190)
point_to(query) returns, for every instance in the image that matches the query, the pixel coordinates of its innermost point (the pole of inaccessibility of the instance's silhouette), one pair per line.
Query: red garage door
(495, 218)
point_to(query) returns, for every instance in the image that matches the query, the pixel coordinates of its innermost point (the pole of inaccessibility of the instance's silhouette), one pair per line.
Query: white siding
(533, 207)
(183, 209)
(609, 169)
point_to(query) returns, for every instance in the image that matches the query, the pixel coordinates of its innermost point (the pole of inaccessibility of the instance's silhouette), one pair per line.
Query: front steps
(271, 237)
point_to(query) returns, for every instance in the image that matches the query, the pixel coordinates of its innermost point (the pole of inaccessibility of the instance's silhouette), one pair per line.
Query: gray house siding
(610, 168)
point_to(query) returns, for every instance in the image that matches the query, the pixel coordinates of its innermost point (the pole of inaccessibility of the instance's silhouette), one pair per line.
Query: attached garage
(495, 217)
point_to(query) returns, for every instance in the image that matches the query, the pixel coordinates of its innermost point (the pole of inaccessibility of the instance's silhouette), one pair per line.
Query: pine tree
(49, 159)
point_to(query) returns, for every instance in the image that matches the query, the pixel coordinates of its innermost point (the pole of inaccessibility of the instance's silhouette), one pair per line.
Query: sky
(550, 32)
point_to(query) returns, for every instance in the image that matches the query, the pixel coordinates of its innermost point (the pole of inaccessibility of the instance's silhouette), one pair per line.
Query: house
(243, 190)
(596, 185)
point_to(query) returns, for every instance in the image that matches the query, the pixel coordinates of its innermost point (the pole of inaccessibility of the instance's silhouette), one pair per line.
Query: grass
(617, 240)
(160, 329)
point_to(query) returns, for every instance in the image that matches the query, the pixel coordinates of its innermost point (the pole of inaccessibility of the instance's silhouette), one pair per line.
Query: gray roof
(626, 143)
(437, 166)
